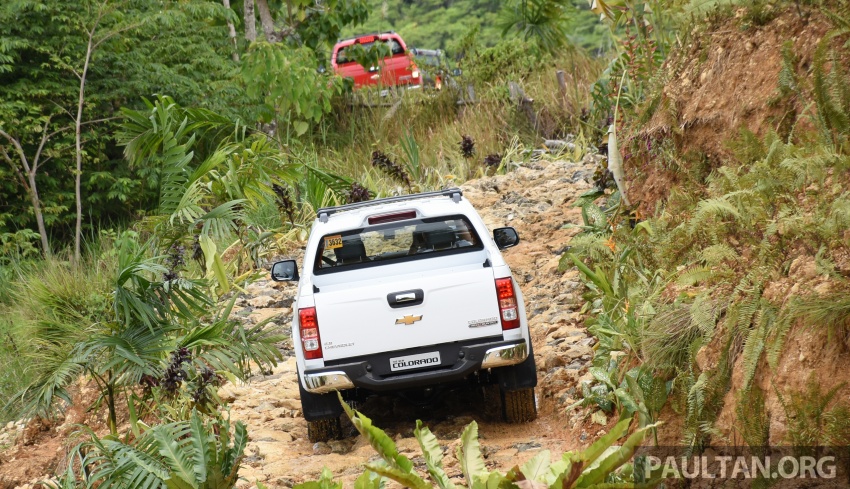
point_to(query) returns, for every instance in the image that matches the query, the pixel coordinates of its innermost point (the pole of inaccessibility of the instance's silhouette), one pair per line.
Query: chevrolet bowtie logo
(408, 320)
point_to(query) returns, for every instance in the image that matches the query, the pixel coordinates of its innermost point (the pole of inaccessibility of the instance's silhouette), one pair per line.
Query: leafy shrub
(118, 318)
(602, 462)
(195, 453)
(509, 59)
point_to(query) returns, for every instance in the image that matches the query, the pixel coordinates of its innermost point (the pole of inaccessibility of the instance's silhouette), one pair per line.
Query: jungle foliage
(605, 463)
(704, 286)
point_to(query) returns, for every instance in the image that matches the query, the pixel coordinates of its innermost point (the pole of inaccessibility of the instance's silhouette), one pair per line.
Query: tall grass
(47, 305)
(437, 122)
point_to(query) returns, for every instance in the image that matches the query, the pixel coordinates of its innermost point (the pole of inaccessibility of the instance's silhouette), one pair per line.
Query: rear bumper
(368, 372)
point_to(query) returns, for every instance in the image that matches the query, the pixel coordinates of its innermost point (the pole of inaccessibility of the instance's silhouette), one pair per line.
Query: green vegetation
(192, 453)
(703, 287)
(602, 464)
(439, 24)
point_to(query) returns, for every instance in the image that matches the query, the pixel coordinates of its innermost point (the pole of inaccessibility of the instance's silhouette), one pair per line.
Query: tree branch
(41, 145)
(15, 168)
(84, 141)
(18, 149)
(116, 32)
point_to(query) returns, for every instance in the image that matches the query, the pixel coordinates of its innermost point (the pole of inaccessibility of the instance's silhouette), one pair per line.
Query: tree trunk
(266, 20)
(79, 148)
(39, 217)
(30, 183)
(232, 30)
(250, 21)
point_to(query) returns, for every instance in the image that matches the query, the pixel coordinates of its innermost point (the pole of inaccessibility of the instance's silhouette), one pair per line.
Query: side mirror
(505, 237)
(285, 271)
(457, 72)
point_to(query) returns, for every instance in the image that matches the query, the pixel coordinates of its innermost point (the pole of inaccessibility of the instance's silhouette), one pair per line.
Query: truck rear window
(394, 242)
(343, 58)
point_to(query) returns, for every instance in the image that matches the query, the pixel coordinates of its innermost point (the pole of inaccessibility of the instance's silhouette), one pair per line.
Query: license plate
(415, 361)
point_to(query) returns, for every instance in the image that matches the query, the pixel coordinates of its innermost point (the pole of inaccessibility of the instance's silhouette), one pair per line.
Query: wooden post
(562, 85)
(523, 102)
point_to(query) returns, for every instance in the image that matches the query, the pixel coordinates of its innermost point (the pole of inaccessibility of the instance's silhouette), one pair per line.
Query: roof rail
(358, 36)
(454, 193)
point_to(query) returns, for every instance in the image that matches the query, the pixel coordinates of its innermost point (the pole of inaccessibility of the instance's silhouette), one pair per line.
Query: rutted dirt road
(536, 199)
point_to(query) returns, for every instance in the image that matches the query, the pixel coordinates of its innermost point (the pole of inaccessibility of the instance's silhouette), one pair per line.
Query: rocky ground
(536, 199)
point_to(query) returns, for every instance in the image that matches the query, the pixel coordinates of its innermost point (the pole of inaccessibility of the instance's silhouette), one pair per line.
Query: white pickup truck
(407, 295)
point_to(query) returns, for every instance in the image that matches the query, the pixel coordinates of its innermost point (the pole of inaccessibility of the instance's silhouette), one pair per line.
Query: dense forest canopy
(440, 24)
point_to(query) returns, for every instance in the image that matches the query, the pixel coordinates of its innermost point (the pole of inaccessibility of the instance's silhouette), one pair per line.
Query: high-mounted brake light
(309, 326)
(398, 216)
(506, 295)
(364, 40)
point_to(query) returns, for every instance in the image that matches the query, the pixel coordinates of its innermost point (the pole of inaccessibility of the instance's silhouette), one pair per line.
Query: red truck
(398, 69)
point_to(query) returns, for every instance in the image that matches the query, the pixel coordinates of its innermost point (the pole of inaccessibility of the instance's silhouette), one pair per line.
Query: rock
(229, 392)
(261, 301)
(579, 350)
(10, 425)
(576, 365)
(264, 406)
(803, 268)
(532, 445)
(261, 315)
(553, 361)
(599, 418)
(341, 446)
(321, 448)
(558, 145)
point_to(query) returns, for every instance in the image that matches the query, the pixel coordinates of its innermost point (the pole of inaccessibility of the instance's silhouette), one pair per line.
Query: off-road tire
(519, 405)
(324, 430)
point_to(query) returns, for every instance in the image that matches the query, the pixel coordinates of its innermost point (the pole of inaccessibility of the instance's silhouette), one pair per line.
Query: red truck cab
(398, 69)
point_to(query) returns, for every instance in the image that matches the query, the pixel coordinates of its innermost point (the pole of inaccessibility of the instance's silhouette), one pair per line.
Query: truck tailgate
(440, 306)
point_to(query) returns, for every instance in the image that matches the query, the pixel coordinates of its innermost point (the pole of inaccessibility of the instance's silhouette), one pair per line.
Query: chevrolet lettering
(410, 296)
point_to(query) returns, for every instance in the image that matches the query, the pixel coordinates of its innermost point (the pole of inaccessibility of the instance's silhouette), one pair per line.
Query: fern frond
(709, 209)
(755, 342)
(692, 276)
(704, 315)
(776, 337)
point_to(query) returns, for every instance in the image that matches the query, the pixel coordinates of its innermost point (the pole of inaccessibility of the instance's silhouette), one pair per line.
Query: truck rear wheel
(322, 430)
(519, 405)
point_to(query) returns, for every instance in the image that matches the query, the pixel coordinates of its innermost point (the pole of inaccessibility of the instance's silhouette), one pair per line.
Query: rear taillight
(509, 313)
(309, 325)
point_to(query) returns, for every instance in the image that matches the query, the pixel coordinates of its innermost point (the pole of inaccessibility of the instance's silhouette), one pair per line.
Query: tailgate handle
(405, 298)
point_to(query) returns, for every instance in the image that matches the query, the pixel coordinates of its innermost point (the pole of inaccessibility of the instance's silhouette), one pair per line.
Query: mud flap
(515, 377)
(319, 406)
